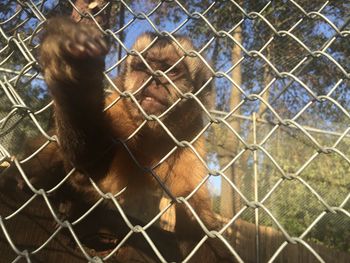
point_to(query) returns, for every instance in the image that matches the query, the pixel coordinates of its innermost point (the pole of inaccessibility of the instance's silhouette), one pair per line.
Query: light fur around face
(183, 74)
(161, 53)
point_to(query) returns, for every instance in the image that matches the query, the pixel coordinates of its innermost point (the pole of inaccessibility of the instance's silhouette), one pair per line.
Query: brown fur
(90, 138)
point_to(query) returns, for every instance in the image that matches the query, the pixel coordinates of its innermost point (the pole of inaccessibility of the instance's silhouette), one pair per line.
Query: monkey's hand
(72, 52)
(72, 59)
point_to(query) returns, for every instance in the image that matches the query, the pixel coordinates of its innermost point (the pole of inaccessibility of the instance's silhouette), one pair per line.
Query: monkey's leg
(72, 57)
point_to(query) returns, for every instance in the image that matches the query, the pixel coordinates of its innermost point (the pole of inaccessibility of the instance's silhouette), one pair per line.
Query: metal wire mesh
(293, 114)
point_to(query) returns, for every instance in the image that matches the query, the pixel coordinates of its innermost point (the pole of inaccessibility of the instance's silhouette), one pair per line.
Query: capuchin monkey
(114, 147)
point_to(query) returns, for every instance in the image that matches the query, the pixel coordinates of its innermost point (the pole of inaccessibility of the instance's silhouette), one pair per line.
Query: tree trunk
(230, 202)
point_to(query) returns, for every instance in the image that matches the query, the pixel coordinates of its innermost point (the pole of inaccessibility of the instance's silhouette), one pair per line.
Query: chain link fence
(277, 134)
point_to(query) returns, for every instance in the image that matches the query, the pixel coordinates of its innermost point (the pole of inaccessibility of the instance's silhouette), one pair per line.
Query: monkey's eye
(174, 72)
(139, 66)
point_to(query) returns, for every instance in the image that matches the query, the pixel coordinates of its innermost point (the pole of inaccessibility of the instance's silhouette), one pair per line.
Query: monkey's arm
(72, 57)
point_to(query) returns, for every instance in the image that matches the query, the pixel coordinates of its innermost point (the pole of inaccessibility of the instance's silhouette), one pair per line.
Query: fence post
(256, 190)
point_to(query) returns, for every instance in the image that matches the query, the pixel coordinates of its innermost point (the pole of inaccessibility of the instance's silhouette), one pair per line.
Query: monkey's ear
(185, 43)
(143, 41)
(203, 75)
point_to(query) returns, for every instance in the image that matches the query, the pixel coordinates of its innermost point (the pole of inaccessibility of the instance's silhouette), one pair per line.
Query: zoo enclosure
(278, 133)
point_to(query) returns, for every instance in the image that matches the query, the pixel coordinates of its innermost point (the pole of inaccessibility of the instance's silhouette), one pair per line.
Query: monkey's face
(163, 74)
(155, 91)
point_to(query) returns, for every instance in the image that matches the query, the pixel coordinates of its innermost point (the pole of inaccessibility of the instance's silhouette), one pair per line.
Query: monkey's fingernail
(81, 37)
(80, 48)
(102, 43)
(93, 50)
(93, 6)
(75, 49)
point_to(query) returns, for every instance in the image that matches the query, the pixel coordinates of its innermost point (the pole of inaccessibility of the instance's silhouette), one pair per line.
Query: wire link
(14, 44)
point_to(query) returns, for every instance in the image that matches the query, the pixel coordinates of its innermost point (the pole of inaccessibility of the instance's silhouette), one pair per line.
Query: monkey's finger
(81, 37)
(103, 44)
(75, 50)
(92, 49)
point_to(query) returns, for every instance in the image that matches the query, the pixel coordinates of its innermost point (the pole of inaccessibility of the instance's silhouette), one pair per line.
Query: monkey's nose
(160, 81)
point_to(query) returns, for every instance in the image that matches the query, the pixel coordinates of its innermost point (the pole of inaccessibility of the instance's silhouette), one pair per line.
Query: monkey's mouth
(153, 100)
(152, 105)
